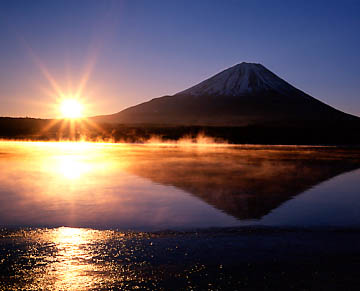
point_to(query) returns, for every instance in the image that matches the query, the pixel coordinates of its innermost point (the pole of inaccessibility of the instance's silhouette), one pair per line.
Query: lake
(79, 216)
(159, 187)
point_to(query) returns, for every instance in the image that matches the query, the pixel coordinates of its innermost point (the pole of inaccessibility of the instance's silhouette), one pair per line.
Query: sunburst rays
(68, 128)
(71, 126)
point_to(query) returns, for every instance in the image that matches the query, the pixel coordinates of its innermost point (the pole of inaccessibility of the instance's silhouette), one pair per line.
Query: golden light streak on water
(67, 258)
(72, 167)
(73, 265)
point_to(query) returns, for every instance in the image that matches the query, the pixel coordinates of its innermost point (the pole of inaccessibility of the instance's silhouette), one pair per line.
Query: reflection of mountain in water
(247, 184)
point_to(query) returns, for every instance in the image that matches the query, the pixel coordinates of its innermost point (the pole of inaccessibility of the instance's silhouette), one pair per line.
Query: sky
(116, 54)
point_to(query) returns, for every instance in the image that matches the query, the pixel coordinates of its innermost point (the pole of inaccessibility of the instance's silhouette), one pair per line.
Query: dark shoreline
(293, 133)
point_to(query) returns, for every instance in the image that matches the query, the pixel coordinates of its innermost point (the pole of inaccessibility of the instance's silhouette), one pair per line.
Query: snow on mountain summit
(241, 79)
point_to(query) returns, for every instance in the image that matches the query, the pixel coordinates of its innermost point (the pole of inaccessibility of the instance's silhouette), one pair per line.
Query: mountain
(244, 94)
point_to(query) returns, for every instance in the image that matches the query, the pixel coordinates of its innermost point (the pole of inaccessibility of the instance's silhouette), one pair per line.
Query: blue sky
(138, 50)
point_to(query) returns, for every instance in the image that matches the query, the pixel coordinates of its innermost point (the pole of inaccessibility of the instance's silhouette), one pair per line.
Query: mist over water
(169, 186)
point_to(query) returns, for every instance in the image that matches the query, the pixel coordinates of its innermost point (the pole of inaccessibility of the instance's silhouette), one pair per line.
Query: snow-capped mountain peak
(241, 79)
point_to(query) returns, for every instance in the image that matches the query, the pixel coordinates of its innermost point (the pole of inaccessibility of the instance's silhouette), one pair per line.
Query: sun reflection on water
(72, 167)
(67, 258)
(75, 262)
(74, 160)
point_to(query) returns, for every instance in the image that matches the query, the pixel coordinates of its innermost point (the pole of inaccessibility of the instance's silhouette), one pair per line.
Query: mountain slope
(244, 94)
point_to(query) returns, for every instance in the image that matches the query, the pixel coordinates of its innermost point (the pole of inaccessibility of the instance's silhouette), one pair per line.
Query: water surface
(87, 216)
(157, 187)
(91, 185)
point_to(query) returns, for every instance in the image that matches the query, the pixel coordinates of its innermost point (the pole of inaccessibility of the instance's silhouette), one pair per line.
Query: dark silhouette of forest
(327, 133)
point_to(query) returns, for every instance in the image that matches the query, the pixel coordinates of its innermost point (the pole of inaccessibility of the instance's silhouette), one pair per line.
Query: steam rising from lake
(155, 187)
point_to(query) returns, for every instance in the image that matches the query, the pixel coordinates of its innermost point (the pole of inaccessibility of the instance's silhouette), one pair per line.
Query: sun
(71, 108)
